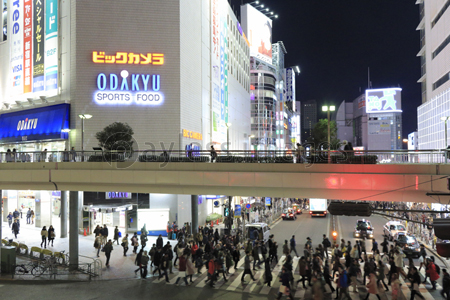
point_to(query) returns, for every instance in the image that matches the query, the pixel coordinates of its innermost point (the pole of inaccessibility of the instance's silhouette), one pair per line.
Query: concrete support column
(63, 213)
(1, 216)
(73, 230)
(194, 213)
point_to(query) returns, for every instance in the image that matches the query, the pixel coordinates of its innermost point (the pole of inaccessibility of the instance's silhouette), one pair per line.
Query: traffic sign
(248, 206)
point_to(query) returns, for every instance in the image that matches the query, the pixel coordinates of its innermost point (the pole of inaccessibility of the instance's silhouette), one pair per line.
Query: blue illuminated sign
(383, 100)
(237, 211)
(123, 89)
(43, 123)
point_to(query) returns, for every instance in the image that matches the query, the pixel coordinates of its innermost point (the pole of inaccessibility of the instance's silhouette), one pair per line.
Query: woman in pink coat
(372, 287)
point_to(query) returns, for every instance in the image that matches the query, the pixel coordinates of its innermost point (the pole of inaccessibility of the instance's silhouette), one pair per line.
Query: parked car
(409, 244)
(289, 214)
(363, 229)
(392, 228)
(254, 229)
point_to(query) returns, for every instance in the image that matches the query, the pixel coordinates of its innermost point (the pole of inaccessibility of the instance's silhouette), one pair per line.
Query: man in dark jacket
(157, 261)
(255, 254)
(15, 228)
(414, 278)
(247, 269)
(293, 244)
(159, 242)
(108, 248)
(164, 265)
(326, 244)
(445, 293)
(285, 279)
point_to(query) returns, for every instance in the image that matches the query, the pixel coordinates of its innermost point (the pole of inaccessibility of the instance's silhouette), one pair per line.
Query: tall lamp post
(228, 137)
(83, 117)
(328, 109)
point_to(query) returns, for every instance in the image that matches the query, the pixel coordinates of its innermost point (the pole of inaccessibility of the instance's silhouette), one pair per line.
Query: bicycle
(61, 258)
(23, 269)
(46, 264)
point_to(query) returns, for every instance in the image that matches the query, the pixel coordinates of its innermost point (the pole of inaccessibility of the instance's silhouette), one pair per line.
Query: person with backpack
(432, 272)
(326, 244)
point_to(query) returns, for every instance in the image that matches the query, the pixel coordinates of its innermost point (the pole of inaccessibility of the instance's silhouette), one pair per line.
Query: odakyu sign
(383, 100)
(126, 89)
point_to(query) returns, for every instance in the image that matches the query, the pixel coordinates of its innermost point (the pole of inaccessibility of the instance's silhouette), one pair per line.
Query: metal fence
(233, 156)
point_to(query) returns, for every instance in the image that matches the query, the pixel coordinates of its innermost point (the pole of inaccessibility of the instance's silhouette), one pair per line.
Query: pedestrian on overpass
(51, 235)
(293, 245)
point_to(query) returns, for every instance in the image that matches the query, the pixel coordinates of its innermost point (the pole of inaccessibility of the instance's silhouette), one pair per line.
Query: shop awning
(44, 123)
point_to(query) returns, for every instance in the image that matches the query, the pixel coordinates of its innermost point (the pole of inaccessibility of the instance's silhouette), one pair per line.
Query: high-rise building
(435, 65)
(309, 118)
(272, 86)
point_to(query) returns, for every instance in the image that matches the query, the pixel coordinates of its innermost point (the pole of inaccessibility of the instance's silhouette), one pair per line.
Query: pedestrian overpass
(406, 182)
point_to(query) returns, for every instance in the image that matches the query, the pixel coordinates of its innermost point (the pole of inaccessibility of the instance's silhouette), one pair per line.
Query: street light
(328, 109)
(445, 137)
(228, 136)
(83, 117)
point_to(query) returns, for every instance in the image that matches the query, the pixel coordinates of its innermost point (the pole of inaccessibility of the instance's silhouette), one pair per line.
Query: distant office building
(435, 65)
(309, 118)
(413, 141)
(373, 121)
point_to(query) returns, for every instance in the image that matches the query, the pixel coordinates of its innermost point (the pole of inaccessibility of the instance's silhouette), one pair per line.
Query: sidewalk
(120, 266)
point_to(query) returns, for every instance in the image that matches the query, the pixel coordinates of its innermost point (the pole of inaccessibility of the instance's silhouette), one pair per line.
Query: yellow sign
(192, 135)
(121, 58)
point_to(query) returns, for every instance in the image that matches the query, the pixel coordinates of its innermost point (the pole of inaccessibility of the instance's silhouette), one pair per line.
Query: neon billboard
(383, 100)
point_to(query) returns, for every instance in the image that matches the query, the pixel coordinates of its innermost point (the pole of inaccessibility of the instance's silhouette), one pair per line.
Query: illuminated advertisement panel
(38, 45)
(258, 29)
(383, 100)
(219, 69)
(51, 45)
(16, 63)
(27, 42)
(289, 85)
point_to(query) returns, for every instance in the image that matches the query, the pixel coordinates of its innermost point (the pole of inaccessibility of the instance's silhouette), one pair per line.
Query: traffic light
(350, 209)
(226, 211)
(334, 234)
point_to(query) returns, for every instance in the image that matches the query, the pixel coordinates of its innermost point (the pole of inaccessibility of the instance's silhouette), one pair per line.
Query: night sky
(334, 42)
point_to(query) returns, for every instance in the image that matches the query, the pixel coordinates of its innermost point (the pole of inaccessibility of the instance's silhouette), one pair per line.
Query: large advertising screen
(383, 100)
(258, 28)
(34, 48)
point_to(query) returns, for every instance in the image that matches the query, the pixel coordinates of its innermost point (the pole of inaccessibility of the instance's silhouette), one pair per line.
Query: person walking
(372, 287)
(293, 244)
(73, 154)
(105, 233)
(144, 264)
(116, 235)
(327, 277)
(236, 257)
(44, 235)
(285, 284)
(10, 219)
(15, 228)
(382, 274)
(98, 244)
(414, 278)
(445, 292)
(343, 283)
(395, 286)
(159, 242)
(32, 216)
(303, 265)
(51, 235)
(267, 273)
(247, 267)
(137, 261)
(157, 260)
(432, 273)
(108, 249)
(125, 244)
(134, 242)
(164, 266)
(29, 216)
(190, 269)
(182, 270)
(326, 244)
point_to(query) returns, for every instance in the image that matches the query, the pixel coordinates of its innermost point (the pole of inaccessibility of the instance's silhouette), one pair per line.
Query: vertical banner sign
(27, 46)
(225, 29)
(215, 71)
(237, 211)
(51, 45)
(289, 85)
(16, 62)
(38, 45)
(222, 76)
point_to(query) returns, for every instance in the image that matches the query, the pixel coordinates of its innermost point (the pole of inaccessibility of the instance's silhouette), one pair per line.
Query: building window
(441, 13)
(441, 81)
(441, 47)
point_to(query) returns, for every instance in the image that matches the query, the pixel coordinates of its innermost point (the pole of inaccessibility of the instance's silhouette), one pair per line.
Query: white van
(253, 230)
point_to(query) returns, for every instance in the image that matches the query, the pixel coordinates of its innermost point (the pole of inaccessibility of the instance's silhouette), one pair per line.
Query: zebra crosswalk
(233, 283)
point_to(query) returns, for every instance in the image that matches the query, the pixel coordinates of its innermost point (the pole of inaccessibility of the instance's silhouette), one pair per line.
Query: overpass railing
(234, 156)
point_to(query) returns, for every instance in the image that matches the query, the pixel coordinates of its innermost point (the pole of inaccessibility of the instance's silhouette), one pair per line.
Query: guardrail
(440, 156)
